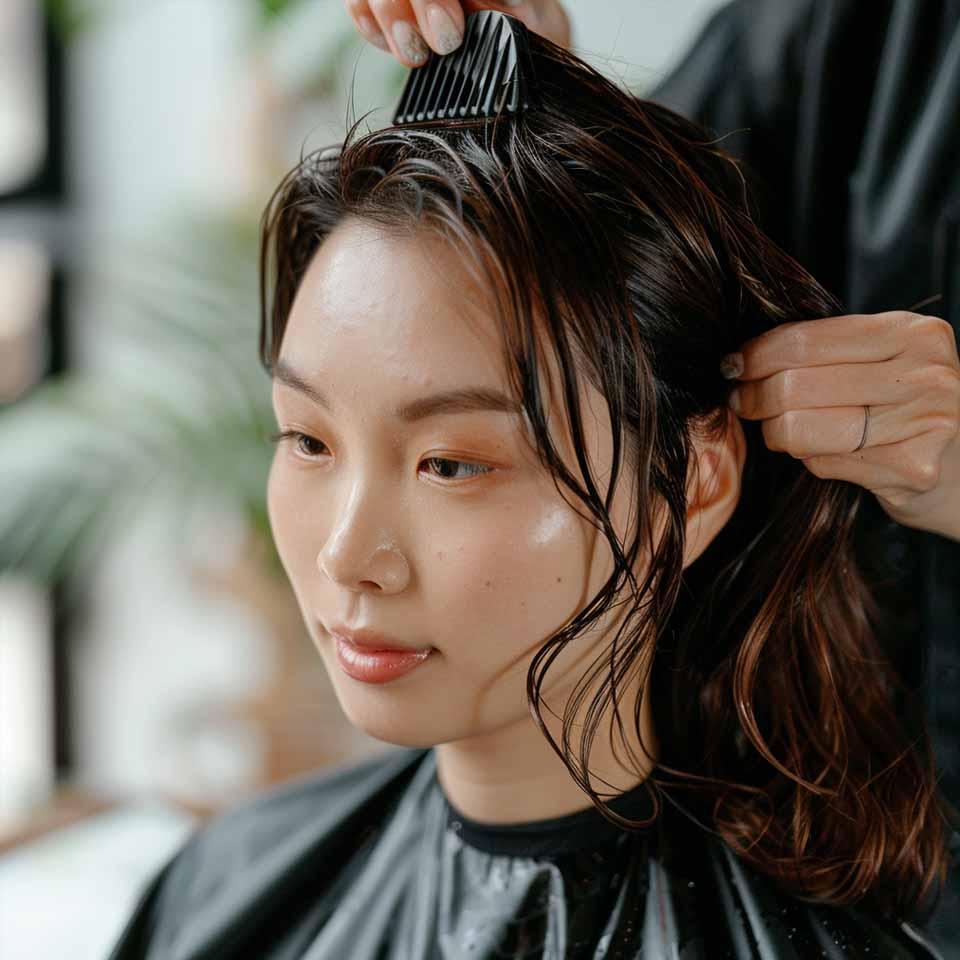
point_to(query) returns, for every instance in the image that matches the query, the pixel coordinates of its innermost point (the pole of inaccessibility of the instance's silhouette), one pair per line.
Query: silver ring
(866, 423)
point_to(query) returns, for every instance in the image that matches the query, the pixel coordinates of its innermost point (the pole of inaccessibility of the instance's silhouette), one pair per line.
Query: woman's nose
(360, 553)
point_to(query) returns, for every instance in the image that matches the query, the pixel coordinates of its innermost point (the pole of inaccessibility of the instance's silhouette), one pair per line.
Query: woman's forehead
(423, 264)
(410, 293)
(374, 326)
(406, 309)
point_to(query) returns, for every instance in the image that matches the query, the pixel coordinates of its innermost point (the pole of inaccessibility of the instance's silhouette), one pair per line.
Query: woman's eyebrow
(462, 400)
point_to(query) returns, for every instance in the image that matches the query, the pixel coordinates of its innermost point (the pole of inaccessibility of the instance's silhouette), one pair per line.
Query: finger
(398, 23)
(516, 8)
(359, 12)
(839, 385)
(536, 15)
(839, 430)
(911, 466)
(934, 386)
(441, 22)
(850, 338)
(857, 468)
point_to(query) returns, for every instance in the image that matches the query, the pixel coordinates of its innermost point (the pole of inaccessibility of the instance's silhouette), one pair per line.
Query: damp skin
(477, 553)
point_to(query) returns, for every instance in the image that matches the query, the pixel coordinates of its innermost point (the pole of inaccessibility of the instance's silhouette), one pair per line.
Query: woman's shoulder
(316, 799)
(238, 860)
(752, 915)
(310, 811)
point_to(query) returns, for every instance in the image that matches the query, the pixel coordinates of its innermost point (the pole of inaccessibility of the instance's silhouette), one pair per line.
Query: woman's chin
(404, 723)
(395, 733)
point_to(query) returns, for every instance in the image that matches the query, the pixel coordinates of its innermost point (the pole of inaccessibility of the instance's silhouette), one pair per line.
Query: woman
(636, 689)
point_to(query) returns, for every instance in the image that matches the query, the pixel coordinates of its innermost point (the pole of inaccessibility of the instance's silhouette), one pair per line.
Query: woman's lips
(377, 666)
(372, 640)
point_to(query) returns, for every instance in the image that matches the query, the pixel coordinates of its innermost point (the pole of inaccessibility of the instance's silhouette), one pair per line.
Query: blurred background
(153, 665)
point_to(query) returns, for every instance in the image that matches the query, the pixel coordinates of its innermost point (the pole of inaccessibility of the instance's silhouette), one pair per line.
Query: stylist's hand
(808, 382)
(402, 26)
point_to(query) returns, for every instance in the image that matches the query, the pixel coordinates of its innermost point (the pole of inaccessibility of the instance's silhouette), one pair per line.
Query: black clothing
(371, 862)
(848, 114)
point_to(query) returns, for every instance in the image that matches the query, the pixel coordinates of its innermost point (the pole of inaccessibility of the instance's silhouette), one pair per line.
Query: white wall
(636, 40)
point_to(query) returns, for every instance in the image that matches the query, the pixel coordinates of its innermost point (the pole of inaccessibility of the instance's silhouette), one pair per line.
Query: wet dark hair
(620, 236)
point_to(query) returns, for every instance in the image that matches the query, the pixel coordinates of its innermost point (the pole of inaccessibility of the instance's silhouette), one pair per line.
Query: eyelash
(298, 436)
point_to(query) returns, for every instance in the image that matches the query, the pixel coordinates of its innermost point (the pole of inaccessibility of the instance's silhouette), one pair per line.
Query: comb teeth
(490, 72)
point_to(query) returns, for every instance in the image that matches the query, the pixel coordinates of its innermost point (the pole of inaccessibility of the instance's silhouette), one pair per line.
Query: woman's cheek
(552, 546)
(525, 570)
(284, 507)
(274, 501)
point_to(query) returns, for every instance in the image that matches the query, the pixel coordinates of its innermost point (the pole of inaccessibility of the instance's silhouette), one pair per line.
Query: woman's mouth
(377, 666)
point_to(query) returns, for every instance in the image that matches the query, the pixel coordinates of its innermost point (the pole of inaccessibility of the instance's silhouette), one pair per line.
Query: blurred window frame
(37, 212)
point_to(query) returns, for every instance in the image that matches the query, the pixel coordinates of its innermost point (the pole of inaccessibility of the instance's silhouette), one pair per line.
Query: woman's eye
(473, 469)
(443, 464)
(298, 437)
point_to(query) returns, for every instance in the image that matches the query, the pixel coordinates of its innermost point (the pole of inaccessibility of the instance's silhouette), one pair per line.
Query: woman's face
(441, 530)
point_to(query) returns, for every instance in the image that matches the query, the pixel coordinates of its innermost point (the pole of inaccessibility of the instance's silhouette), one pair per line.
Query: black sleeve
(787, 85)
(740, 67)
(742, 78)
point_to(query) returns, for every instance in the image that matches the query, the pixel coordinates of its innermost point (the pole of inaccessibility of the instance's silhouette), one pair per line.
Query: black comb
(489, 73)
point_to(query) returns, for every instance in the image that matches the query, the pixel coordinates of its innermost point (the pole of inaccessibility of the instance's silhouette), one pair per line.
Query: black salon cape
(847, 115)
(369, 861)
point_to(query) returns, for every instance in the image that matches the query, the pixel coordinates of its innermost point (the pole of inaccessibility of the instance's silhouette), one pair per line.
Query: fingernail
(373, 33)
(446, 36)
(731, 365)
(734, 399)
(411, 44)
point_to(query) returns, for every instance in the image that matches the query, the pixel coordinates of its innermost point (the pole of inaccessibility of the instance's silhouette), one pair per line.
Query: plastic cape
(370, 861)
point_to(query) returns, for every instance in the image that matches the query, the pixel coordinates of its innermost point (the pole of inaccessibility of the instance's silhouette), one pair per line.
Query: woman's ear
(713, 486)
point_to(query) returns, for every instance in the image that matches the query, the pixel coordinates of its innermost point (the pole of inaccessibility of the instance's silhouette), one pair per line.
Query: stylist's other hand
(410, 28)
(808, 382)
